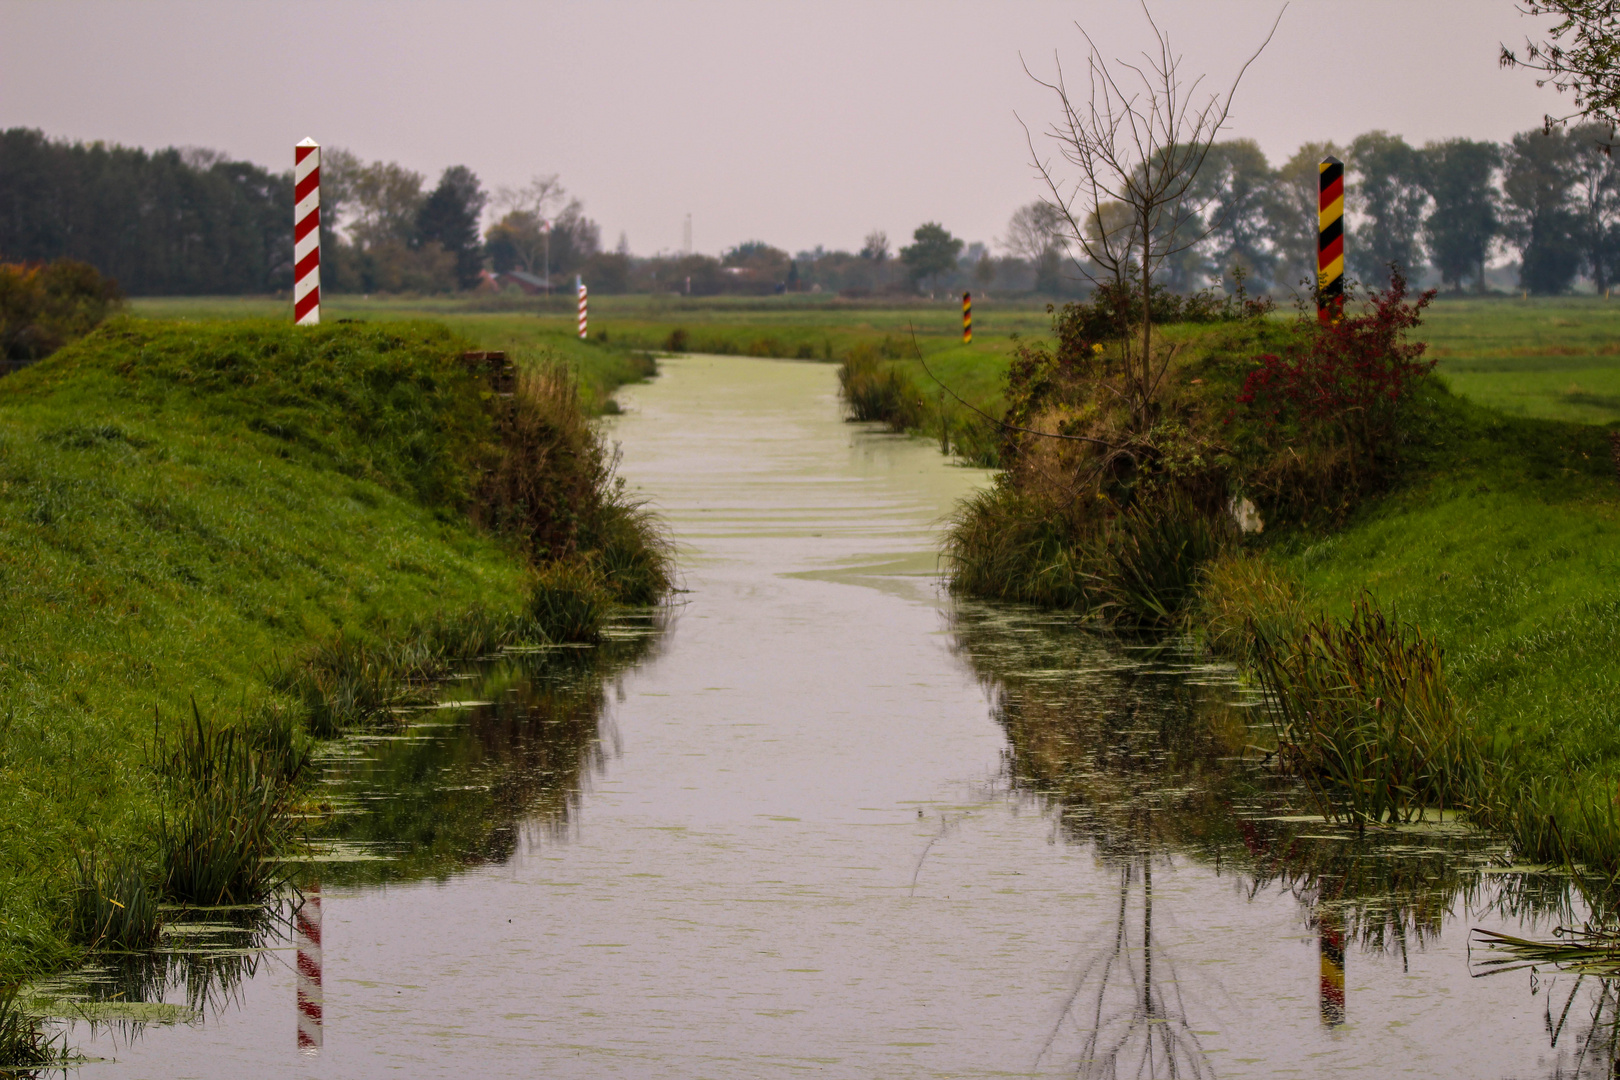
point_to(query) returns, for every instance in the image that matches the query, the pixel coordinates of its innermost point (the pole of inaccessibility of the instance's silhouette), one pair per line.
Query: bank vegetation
(222, 542)
(1422, 587)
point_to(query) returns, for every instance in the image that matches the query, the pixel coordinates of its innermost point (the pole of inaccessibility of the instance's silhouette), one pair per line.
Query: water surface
(818, 820)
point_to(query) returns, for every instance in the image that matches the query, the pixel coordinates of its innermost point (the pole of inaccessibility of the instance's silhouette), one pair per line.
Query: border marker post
(1330, 240)
(967, 318)
(579, 284)
(307, 233)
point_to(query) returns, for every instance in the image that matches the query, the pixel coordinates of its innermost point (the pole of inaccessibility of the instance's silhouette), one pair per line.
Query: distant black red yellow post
(967, 318)
(1330, 240)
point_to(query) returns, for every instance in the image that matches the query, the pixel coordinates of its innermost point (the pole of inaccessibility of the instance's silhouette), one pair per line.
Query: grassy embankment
(278, 525)
(809, 327)
(1499, 536)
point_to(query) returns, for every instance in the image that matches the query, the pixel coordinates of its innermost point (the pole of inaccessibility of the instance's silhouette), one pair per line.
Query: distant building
(531, 284)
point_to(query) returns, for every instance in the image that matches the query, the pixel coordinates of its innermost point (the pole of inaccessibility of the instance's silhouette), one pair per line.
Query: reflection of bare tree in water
(1596, 1045)
(1145, 754)
(1126, 1016)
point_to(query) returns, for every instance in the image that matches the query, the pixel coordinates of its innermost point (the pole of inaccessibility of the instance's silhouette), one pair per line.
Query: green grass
(180, 504)
(802, 326)
(1504, 545)
(1555, 359)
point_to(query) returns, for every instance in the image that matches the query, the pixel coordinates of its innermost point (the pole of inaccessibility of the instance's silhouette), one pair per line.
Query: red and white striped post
(579, 283)
(311, 999)
(307, 233)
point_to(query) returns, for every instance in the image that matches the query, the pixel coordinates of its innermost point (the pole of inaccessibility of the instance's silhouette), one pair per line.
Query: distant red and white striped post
(579, 283)
(307, 233)
(311, 999)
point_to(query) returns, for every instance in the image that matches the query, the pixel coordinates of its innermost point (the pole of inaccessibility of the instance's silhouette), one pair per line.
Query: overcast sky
(795, 123)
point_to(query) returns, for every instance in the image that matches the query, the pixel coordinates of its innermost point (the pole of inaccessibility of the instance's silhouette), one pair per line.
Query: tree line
(195, 221)
(1549, 198)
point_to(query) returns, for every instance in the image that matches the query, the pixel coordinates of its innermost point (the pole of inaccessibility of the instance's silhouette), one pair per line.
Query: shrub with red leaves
(1343, 382)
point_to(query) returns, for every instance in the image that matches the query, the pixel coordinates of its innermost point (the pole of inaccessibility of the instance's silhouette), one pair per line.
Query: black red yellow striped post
(967, 318)
(1330, 240)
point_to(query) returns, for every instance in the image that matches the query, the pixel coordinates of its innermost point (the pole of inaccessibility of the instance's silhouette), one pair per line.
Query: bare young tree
(538, 197)
(1135, 141)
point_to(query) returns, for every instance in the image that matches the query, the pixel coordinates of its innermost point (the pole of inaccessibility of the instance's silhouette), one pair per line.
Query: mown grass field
(804, 327)
(1552, 358)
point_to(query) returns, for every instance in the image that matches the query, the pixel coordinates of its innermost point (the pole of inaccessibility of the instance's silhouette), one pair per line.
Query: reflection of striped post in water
(1330, 941)
(307, 932)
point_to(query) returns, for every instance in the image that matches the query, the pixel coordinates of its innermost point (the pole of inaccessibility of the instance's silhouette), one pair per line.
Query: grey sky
(794, 123)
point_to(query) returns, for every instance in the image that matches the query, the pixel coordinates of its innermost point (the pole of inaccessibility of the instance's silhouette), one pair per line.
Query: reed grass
(221, 838)
(1007, 544)
(1155, 553)
(1243, 596)
(1591, 950)
(569, 602)
(24, 1045)
(876, 389)
(1363, 714)
(113, 905)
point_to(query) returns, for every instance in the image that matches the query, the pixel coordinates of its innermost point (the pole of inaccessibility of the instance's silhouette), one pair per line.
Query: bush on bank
(1484, 549)
(221, 539)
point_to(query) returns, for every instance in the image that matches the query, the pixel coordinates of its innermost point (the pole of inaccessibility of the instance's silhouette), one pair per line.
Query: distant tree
(1293, 223)
(791, 284)
(1596, 197)
(1458, 175)
(386, 197)
(1581, 58)
(984, 271)
(607, 272)
(516, 242)
(449, 216)
(574, 238)
(1239, 211)
(1541, 217)
(1033, 229)
(1387, 189)
(519, 241)
(876, 246)
(931, 254)
(754, 267)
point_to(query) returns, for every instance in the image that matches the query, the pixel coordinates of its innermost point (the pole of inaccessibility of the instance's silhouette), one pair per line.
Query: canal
(818, 819)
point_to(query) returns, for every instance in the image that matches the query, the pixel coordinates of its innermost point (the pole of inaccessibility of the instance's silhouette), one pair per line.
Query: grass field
(1556, 359)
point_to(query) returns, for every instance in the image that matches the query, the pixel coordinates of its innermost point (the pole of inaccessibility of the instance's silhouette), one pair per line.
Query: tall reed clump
(228, 821)
(553, 488)
(876, 390)
(1136, 570)
(344, 682)
(113, 905)
(1364, 716)
(24, 1046)
(1008, 544)
(1155, 552)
